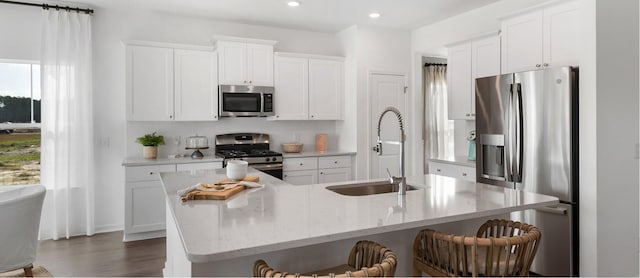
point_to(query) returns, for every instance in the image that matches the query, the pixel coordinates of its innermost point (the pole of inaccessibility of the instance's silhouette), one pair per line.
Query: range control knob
(274, 159)
(266, 159)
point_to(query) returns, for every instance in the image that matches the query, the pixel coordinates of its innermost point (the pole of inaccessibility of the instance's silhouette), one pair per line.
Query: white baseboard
(108, 228)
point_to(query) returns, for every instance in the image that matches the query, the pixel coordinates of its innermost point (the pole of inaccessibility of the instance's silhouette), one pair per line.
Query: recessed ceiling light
(374, 15)
(293, 3)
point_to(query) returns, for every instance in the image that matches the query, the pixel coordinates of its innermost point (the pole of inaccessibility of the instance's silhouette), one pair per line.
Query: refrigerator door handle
(554, 210)
(519, 135)
(509, 139)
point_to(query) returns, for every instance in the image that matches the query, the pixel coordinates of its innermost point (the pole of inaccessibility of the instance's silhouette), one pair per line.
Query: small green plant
(151, 140)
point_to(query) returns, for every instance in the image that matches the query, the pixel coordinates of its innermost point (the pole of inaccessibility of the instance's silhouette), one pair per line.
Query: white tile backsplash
(280, 131)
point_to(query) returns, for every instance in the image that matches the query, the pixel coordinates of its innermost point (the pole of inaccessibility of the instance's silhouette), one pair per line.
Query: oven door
(273, 169)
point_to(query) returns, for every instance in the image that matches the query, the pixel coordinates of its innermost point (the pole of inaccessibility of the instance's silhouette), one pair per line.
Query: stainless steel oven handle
(261, 103)
(260, 167)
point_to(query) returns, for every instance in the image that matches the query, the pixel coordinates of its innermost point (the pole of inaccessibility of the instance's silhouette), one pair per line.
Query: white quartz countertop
(456, 160)
(280, 216)
(312, 154)
(139, 161)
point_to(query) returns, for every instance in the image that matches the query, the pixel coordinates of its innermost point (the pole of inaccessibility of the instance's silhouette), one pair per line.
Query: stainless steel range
(252, 148)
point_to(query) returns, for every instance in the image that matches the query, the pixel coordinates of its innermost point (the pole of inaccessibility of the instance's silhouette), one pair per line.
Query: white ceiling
(314, 15)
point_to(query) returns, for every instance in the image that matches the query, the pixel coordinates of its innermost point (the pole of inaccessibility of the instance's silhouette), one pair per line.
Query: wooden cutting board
(213, 195)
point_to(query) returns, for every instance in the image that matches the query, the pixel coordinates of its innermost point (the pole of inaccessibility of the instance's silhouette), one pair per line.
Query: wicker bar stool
(366, 259)
(500, 248)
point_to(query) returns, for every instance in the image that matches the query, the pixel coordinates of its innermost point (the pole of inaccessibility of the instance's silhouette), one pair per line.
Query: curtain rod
(47, 6)
(434, 64)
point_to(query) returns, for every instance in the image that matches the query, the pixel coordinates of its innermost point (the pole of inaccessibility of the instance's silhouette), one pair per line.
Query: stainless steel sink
(368, 188)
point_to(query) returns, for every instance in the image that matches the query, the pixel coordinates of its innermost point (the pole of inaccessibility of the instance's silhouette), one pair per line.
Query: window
(19, 122)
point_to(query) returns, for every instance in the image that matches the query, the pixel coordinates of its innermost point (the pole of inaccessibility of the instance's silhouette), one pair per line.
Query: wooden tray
(213, 195)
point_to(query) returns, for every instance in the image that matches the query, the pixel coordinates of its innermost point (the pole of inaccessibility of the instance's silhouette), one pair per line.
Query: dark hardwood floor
(102, 255)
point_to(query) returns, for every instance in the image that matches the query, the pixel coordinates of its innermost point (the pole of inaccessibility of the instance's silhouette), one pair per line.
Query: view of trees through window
(19, 123)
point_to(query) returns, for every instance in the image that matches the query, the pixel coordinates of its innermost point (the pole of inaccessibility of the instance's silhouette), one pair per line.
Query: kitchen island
(301, 228)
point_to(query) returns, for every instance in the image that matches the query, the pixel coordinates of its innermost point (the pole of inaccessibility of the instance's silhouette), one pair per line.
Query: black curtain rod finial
(46, 6)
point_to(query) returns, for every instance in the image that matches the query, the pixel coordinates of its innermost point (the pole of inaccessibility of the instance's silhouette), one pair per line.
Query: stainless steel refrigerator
(526, 125)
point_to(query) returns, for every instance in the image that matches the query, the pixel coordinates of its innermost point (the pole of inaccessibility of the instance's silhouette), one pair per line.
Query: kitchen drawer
(452, 170)
(147, 173)
(304, 163)
(327, 162)
(199, 166)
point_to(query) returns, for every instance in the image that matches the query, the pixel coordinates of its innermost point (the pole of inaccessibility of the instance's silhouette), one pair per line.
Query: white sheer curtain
(67, 125)
(438, 129)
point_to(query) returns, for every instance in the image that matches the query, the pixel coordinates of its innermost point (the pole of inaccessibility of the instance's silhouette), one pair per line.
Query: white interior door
(386, 90)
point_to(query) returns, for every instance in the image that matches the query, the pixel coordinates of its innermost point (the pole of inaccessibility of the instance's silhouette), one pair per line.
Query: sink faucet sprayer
(402, 185)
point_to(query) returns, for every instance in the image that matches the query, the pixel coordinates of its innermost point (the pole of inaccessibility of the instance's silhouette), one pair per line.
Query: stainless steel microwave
(245, 101)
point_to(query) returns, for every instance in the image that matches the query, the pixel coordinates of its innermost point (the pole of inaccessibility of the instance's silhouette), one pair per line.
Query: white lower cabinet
(312, 170)
(144, 202)
(452, 170)
(334, 175)
(301, 177)
(145, 199)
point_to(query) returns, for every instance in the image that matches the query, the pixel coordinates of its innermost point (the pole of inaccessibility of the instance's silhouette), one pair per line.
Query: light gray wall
(20, 32)
(114, 137)
(375, 49)
(617, 122)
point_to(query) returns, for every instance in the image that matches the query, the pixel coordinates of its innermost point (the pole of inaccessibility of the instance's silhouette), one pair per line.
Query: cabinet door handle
(311, 116)
(335, 162)
(250, 81)
(286, 176)
(464, 174)
(546, 64)
(438, 170)
(277, 116)
(301, 163)
(215, 116)
(538, 65)
(150, 173)
(321, 173)
(170, 116)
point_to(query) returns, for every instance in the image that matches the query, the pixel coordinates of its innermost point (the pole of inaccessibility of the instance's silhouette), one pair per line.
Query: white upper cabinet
(244, 63)
(459, 82)
(149, 72)
(260, 64)
(561, 32)
(541, 38)
(292, 88)
(486, 57)
(466, 62)
(326, 89)
(196, 85)
(233, 63)
(166, 83)
(308, 87)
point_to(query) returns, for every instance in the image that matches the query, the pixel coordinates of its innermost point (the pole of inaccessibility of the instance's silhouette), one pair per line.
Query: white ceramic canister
(237, 169)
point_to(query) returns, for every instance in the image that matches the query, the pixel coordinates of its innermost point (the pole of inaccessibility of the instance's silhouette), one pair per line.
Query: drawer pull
(301, 163)
(335, 162)
(321, 173)
(439, 170)
(150, 173)
(464, 174)
(286, 176)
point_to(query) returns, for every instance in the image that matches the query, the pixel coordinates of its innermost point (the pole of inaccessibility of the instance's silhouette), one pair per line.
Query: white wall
(430, 40)
(20, 32)
(608, 122)
(376, 49)
(116, 137)
(617, 135)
